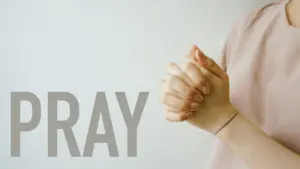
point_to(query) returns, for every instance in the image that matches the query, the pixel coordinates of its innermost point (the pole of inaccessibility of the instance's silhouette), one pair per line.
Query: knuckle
(192, 94)
(187, 104)
(190, 89)
(201, 82)
(183, 116)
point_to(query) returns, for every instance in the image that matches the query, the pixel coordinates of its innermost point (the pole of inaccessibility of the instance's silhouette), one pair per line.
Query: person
(250, 101)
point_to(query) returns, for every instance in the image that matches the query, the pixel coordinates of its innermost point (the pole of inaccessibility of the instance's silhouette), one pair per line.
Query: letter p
(16, 125)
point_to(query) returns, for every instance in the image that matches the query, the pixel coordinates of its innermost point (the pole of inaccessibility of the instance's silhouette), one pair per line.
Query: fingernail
(205, 89)
(194, 105)
(199, 98)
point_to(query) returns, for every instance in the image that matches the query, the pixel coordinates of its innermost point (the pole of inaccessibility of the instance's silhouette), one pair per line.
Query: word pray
(100, 108)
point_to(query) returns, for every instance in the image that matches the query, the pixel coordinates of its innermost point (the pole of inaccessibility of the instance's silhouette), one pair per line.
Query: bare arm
(247, 140)
(257, 149)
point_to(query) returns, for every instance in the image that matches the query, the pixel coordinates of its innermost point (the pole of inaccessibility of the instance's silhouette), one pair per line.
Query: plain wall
(89, 46)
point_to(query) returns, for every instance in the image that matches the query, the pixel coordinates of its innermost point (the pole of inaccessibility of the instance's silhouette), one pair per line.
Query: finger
(197, 76)
(180, 88)
(195, 96)
(178, 85)
(174, 69)
(175, 116)
(166, 89)
(203, 70)
(210, 64)
(168, 108)
(196, 58)
(174, 102)
(191, 54)
(165, 86)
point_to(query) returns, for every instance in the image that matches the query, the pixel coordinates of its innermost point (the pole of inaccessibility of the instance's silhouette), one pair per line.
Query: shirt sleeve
(227, 47)
(239, 27)
(233, 37)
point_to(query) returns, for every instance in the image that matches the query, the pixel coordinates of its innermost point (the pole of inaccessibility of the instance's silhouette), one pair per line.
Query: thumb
(210, 65)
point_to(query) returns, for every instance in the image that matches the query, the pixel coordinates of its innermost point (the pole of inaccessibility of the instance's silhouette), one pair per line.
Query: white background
(85, 46)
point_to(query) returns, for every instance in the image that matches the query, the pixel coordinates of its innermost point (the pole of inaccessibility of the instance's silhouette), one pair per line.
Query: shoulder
(246, 23)
(264, 13)
(257, 18)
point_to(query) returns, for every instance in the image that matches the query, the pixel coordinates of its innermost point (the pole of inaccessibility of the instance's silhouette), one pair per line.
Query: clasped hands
(197, 93)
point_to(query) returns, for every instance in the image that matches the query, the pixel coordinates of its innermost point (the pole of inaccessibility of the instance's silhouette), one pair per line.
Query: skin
(293, 13)
(181, 93)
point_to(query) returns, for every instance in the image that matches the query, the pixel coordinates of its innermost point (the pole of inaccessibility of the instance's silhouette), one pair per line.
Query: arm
(249, 142)
(257, 149)
(246, 140)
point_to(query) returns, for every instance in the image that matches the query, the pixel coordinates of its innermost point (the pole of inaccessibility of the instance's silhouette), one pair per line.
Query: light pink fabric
(262, 58)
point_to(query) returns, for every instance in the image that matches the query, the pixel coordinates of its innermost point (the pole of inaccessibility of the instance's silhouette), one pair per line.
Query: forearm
(258, 150)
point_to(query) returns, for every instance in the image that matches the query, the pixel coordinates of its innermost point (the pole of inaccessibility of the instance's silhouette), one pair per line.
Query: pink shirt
(262, 58)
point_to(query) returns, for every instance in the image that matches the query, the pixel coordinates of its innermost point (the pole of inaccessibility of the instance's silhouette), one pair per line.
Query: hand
(198, 94)
(180, 86)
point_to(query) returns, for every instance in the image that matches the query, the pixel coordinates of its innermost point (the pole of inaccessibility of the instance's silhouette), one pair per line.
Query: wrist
(219, 117)
(233, 128)
(227, 114)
